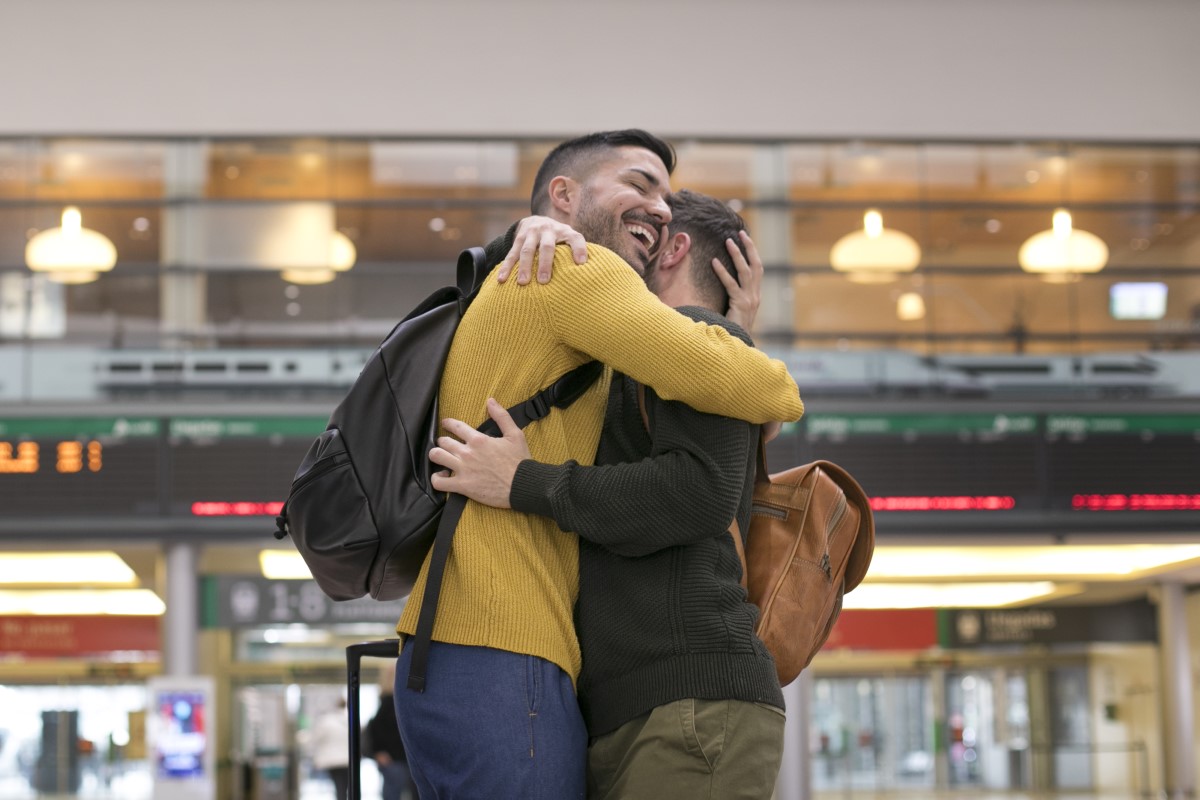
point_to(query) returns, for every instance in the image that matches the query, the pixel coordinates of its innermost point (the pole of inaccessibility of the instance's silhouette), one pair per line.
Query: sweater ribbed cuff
(532, 486)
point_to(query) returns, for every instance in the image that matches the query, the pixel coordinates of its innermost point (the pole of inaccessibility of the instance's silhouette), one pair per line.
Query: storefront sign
(884, 629)
(1126, 622)
(62, 637)
(238, 601)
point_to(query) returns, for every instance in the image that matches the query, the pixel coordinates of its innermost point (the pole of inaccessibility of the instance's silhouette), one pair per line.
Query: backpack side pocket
(330, 520)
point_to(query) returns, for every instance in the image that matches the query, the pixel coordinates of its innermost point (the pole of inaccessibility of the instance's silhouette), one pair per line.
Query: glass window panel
(725, 171)
(274, 169)
(410, 206)
(875, 172)
(1134, 174)
(16, 169)
(73, 170)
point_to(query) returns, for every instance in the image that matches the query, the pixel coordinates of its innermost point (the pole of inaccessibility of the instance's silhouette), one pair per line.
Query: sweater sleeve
(603, 309)
(688, 489)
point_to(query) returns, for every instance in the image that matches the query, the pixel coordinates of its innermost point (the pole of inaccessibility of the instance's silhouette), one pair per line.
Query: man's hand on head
(745, 293)
(479, 466)
(539, 235)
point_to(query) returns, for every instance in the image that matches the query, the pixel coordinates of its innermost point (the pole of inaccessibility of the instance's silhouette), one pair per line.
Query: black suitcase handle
(383, 648)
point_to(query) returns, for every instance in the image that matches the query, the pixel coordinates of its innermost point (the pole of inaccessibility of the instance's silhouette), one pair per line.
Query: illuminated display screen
(235, 466)
(79, 466)
(996, 463)
(150, 466)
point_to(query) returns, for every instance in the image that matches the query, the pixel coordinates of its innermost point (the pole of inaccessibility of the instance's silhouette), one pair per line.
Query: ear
(564, 194)
(674, 251)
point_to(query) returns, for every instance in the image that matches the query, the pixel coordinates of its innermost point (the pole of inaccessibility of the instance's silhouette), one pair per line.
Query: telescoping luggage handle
(384, 648)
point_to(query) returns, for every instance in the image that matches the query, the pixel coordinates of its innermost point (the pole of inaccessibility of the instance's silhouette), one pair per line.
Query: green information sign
(1092, 424)
(843, 425)
(80, 427)
(240, 427)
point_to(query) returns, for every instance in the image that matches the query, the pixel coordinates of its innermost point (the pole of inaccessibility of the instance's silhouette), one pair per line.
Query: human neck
(679, 291)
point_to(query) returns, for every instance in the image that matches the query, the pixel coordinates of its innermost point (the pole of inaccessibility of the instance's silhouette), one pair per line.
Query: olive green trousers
(690, 750)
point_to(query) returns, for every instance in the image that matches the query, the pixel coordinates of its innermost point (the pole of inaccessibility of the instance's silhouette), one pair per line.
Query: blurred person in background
(329, 744)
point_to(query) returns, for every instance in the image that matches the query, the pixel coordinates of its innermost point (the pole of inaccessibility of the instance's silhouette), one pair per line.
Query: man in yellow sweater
(499, 717)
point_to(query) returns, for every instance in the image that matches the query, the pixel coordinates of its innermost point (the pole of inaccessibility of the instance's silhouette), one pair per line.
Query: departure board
(220, 466)
(1134, 462)
(79, 466)
(193, 466)
(235, 466)
(922, 462)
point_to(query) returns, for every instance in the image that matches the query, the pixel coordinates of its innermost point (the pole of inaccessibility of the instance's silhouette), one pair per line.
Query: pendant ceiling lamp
(1063, 253)
(910, 307)
(70, 253)
(342, 255)
(875, 254)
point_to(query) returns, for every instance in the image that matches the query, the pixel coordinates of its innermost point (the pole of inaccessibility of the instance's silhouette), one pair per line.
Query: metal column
(795, 774)
(1179, 734)
(181, 623)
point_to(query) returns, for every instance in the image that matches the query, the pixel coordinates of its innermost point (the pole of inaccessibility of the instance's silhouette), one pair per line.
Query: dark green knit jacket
(661, 615)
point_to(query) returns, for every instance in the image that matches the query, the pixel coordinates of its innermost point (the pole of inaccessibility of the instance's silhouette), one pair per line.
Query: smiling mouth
(646, 234)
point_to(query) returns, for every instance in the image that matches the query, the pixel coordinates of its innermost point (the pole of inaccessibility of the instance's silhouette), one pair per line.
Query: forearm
(602, 309)
(682, 493)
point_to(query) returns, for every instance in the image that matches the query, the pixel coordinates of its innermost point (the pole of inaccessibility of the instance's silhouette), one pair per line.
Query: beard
(599, 226)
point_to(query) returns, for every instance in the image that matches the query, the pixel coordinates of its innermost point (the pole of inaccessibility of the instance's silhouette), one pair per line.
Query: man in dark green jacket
(680, 697)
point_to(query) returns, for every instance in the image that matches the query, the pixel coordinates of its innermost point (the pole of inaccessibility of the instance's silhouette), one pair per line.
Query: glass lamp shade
(910, 307)
(308, 277)
(1063, 253)
(70, 253)
(342, 255)
(875, 254)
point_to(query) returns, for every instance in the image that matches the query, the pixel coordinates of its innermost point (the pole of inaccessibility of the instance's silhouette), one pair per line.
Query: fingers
(459, 429)
(756, 264)
(508, 427)
(525, 264)
(442, 481)
(739, 261)
(728, 281)
(578, 246)
(546, 257)
(444, 458)
(517, 251)
(506, 265)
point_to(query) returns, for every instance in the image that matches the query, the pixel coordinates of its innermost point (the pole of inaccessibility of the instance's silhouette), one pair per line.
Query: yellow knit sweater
(512, 579)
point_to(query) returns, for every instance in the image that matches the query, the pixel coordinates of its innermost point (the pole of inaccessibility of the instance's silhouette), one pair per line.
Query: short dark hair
(577, 158)
(708, 222)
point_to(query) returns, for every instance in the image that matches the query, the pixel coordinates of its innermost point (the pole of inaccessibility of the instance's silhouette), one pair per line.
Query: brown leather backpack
(811, 538)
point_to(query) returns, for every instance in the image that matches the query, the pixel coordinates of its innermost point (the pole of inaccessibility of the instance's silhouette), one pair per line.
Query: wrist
(531, 488)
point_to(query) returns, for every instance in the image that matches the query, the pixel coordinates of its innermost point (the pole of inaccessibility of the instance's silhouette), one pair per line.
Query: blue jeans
(491, 724)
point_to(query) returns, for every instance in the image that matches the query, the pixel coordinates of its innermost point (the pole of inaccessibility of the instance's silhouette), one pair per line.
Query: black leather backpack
(362, 510)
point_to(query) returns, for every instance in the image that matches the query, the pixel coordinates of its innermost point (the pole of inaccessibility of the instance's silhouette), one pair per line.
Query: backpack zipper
(835, 519)
(322, 465)
(770, 511)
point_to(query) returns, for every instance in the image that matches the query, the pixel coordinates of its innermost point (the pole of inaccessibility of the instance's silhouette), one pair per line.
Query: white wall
(1087, 69)
(1128, 677)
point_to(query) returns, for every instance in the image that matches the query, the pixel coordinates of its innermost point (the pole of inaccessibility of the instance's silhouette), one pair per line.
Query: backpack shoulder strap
(560, 394)
(471, 271)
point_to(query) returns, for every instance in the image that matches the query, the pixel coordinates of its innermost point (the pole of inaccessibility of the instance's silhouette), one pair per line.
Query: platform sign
(180, 738)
